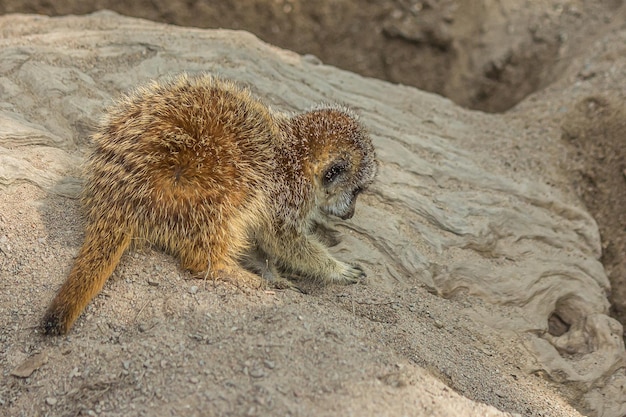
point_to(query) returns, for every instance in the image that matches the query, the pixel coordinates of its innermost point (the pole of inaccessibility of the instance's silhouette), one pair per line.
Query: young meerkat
(201, 169)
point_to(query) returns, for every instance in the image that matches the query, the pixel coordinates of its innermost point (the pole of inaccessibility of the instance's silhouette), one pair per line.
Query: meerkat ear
(334, 171)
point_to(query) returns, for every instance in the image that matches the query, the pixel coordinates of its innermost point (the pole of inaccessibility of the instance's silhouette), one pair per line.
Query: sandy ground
(158, 342)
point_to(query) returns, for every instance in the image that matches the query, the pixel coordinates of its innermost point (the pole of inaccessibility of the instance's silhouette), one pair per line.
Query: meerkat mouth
(349, 214)
(345, 210)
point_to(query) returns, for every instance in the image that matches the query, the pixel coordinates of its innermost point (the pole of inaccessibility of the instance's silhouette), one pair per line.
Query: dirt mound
(485, 55)
(595, 127)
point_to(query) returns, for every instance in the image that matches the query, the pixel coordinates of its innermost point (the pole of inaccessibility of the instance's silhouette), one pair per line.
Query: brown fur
(201, 169)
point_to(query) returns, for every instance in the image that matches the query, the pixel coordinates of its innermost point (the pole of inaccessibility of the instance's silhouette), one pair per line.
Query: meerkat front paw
(286, 284)
(350, 274)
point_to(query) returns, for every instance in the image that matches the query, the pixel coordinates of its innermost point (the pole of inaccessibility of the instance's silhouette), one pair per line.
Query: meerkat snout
(340, 194)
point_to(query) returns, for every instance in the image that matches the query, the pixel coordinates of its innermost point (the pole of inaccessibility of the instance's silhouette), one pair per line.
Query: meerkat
(203, 170)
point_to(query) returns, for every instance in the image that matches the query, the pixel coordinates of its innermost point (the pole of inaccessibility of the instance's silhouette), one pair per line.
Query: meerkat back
(183, 165)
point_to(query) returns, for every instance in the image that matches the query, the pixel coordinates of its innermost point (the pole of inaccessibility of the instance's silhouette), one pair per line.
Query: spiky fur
(203, 170)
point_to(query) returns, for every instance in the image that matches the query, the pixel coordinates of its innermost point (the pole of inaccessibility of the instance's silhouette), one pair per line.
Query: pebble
(193, 289)
(74, 373)
(312, 59)
(4, 244)
(586, 73)
(257, 373)
(51, 401)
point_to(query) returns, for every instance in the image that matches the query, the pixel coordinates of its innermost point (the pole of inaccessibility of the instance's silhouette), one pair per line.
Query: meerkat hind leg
(257, 261)
(210, 260)
(206, 254)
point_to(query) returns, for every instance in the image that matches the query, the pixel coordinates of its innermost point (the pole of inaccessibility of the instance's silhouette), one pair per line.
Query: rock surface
(484, 294)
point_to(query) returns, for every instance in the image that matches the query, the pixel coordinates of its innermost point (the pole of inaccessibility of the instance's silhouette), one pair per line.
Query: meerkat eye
(334, 171)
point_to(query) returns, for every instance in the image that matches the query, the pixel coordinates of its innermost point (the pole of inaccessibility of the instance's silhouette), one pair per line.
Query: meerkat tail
(98, 257)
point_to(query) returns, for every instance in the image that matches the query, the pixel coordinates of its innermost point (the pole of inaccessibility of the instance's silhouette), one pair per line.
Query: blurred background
(482, 54)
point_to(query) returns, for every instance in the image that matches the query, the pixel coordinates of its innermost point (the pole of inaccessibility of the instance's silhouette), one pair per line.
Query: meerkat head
(341, 161)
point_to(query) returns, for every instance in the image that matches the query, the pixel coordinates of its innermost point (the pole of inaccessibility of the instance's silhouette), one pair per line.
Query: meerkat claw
(352, 274)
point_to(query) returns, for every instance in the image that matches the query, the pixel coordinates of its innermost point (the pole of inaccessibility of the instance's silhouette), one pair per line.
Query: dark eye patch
(335, 170)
